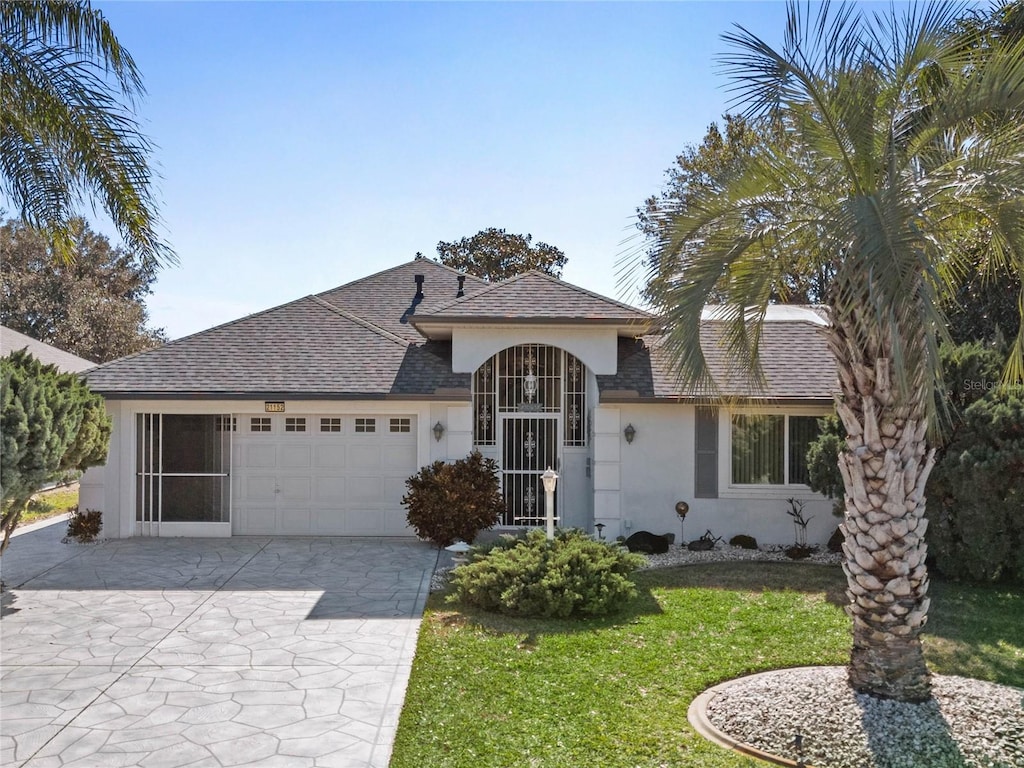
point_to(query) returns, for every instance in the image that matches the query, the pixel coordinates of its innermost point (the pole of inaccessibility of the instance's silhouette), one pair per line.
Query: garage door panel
(330, 490)
(259, 488)
(257, 521)
(259, 456)
(296, 456)
(294, 521)
(360, 490)
(294, 488)
(364, 456)
(394, 490)
(330, 456)
(395, 520)
(398, 457)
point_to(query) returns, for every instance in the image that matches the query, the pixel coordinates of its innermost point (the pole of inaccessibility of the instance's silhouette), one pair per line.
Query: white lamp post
(550, 478)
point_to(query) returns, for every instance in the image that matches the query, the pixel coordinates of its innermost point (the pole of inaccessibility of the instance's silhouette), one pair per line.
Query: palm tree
(68, 132)
(895, 150)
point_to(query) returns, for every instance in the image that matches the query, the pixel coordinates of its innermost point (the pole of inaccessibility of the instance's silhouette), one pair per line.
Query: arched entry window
(531, 378)
(529, 401)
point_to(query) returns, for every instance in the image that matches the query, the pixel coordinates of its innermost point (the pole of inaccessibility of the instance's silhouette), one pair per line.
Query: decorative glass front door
(529, 446)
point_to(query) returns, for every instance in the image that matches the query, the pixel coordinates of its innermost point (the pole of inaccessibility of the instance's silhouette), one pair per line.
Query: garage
(322, 475)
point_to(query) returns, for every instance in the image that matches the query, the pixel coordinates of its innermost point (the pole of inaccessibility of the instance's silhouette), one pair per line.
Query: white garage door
(322, 475)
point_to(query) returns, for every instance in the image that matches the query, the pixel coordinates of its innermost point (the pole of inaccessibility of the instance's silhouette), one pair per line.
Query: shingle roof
(388, 298)
(12, 341)
(795, 358)
(531, 297)
(307, 347)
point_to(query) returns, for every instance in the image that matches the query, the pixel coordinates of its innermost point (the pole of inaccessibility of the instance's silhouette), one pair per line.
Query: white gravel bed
(724, 553)
(967, 724)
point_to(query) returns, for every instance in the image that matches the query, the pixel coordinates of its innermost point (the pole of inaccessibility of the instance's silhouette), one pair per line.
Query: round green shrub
(976, 493)
(448, 502)
(571, 575)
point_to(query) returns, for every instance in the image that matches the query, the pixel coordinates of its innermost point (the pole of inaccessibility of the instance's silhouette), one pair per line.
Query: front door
(529, 446)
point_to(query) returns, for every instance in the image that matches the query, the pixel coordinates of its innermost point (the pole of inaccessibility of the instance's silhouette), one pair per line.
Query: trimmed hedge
(571, 575)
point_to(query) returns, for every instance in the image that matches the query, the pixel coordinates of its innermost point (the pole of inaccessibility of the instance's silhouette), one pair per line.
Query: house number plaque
(269, 407)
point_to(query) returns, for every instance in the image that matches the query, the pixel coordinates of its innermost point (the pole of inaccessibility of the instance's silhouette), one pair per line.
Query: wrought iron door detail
(530, 445)
(531, 378)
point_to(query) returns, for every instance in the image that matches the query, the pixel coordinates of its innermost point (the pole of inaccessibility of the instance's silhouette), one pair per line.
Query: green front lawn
(492, 691)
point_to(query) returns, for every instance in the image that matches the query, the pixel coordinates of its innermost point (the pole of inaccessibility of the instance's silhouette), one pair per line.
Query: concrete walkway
(207, 652)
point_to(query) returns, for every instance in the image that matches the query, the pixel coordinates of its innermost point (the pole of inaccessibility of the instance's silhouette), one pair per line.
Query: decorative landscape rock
(835, 541)
(647, 542)
(743, 541)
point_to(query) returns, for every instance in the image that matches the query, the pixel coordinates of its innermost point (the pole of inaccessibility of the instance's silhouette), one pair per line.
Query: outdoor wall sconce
(438, 431)
(630, 433)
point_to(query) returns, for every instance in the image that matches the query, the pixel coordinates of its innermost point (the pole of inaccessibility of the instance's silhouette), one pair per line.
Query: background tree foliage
(495, 255)
(68, 130)
(92, 306)
(706, 167)
(50, 423)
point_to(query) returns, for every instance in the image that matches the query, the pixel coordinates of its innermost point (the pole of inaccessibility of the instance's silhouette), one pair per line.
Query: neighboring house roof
(795, 359)
(533, 297)
(12, 341)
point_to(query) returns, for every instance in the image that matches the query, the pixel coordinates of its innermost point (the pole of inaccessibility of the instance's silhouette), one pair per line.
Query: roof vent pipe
(462, 285)
(419, 284)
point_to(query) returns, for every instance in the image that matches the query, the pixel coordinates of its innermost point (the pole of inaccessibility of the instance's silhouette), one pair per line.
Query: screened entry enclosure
(182, 465)
(529, 402)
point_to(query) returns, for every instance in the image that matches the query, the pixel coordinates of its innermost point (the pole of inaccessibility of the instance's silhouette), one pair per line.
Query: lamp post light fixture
(682, 509)
(550, 478)
(438, 431)
(600, 531)
(630, 433)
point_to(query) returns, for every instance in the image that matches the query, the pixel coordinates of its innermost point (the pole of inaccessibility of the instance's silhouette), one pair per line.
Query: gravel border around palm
(967, 723)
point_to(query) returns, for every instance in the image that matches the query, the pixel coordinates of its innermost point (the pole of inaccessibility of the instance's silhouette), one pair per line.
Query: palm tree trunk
(885, 467)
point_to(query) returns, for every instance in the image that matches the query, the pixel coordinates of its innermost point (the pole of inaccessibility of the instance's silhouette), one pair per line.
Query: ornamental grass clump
(570, 575)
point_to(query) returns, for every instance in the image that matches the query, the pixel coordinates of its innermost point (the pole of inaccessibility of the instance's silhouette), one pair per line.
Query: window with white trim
(295, 424)
(330, 424)
(366, 425)
(771, 449)
(400, 425)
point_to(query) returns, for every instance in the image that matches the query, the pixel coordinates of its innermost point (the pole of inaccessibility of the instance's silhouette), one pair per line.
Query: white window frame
(729, 489)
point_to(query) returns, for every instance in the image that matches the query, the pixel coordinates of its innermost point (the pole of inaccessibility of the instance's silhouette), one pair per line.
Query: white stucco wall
(596, 347)
(657, 470)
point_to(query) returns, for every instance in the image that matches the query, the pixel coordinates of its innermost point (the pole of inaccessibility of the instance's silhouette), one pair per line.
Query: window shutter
(705, 480)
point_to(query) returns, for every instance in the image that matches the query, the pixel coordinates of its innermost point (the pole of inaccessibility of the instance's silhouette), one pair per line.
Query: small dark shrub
(976, 493)
(744, 541)
(571, 575)
(647, 542)
(798, 552)
(85, 526)
(448, 502)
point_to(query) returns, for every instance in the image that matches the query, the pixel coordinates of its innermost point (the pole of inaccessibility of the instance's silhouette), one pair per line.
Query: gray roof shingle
(531, 297)
(795, 359)
(307, 347)
(388, 298)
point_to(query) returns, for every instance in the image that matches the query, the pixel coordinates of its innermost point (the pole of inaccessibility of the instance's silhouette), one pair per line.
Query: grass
(50, 504)
(488, 690)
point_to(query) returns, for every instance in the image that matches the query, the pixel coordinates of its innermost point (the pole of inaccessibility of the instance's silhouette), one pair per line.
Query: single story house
(307, 418)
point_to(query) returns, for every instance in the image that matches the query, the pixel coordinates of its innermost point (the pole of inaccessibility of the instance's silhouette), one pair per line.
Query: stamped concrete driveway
(201, 652)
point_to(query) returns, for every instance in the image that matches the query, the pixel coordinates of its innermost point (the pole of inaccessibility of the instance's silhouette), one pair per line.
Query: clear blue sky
(304, 145)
